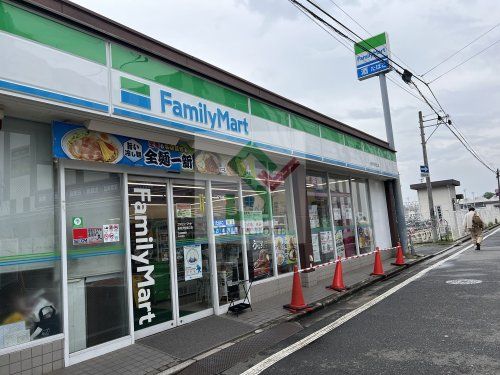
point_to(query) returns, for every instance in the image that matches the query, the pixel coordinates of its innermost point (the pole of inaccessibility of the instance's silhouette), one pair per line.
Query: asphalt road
(427, 327)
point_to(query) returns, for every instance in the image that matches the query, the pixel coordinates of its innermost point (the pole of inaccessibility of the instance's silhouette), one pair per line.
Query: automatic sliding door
(192, 251)
(151, 275)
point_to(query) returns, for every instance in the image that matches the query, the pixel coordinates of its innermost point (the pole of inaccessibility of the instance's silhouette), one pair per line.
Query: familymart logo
(135, 93)
(176, 105)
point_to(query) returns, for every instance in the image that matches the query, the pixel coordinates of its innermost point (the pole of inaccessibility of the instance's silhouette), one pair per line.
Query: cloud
(273, 45)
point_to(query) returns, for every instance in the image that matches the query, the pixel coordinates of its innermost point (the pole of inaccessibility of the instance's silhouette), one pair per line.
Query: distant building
(450, 210)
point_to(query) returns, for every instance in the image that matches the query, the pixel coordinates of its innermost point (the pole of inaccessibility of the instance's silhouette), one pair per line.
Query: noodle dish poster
(79, 143)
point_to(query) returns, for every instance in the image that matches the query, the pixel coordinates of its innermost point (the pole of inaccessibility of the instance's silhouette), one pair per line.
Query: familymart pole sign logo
(176, 105)
(372, 56)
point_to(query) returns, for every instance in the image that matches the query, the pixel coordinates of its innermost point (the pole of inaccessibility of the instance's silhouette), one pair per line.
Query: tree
(488, 195)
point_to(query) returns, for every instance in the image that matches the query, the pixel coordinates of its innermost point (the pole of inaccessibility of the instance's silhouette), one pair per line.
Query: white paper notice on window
(337, 214)
(111, 232)
(315, 245)
(326, 242)
(192, 262)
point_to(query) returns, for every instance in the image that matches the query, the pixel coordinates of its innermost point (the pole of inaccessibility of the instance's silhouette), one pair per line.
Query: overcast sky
(272, 44)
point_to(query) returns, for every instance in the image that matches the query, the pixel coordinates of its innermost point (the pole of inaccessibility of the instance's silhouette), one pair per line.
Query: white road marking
(464, 282)
(271, 360)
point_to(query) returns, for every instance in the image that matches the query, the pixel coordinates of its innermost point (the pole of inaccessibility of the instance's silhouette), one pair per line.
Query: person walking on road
(474, 224)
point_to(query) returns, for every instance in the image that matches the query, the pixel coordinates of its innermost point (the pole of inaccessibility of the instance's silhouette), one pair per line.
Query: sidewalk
(180, 347)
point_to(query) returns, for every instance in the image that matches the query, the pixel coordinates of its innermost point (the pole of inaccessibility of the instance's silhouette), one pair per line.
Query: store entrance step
(191, 339)
(226, 358)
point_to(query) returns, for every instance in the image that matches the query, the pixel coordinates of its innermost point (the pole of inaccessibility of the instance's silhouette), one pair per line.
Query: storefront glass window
(97, 281)
(285, 238)
(228, 240)
(149, 244)
(319, 217)
(257, 214)
(192, 252)
(30, 278)
(363, 215)
(343, 217)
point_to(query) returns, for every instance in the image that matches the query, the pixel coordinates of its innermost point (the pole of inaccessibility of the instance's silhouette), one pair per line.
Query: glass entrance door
(191, 250)
(150, 255)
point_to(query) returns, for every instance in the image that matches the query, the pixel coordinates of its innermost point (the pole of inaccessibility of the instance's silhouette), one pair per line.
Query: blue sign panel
(372, 68)
(424, 169)
(79, 143)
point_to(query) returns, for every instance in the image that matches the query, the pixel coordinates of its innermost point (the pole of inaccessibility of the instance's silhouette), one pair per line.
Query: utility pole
(428, 178)
(398, 196)
(498, 183)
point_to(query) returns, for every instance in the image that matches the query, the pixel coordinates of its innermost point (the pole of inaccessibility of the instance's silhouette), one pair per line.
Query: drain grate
(242, 350)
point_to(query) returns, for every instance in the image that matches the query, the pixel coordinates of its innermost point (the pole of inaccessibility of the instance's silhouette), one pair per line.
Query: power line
(463, 62)
(406, 75)
(470, 146)
(304, 9)
(460, 50)
(350, 49)
(364, 29)
(361, 42)
(465, 143)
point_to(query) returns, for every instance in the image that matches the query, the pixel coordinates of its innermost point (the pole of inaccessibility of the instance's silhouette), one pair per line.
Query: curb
(316, 306)
(353, 289)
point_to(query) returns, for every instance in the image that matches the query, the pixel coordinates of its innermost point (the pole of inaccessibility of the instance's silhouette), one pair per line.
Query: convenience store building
(142, 189)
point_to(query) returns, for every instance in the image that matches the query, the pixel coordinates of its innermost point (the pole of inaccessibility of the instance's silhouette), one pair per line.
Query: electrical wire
(455, 132)
(460, 50)
(453, 129)
(365, 30)
(350, 49)
(361, 42)
(463, 62)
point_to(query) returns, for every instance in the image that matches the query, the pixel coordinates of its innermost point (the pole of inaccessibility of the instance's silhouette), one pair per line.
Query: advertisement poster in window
(254, 222)
(95, 235)
(337, 215)
(364, 237)
(183, 210)
(316, 247)
(326, 240)
(184, 228)
(262, 258)
(225, 227)
(313, 216)
(192, 262)
(339, 242)
(285, 247)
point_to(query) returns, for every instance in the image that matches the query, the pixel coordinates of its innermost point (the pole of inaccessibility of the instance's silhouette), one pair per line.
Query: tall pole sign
(372, 56)
(372, 59)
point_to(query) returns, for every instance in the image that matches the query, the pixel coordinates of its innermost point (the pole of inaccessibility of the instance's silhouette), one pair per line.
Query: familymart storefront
(139, 193)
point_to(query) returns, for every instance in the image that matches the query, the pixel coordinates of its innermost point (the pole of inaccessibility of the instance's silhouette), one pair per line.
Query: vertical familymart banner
(372, 56)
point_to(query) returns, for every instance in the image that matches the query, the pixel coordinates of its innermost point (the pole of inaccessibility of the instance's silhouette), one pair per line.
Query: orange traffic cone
(378, 269)
(338, 279)
(400, 260)
(297, 303)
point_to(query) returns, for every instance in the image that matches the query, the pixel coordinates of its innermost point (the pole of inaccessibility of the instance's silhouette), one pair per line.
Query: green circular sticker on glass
(77, 222)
